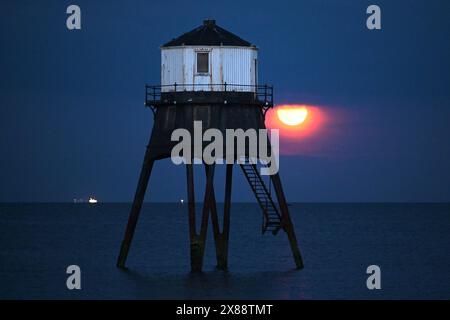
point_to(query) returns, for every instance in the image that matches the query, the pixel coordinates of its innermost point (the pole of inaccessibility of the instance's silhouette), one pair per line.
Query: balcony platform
(260, 96)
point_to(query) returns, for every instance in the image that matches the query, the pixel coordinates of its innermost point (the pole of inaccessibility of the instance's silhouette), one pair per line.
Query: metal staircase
(271, 214)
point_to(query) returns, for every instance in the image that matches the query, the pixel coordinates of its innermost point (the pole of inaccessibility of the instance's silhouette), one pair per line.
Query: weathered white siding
(233, 65)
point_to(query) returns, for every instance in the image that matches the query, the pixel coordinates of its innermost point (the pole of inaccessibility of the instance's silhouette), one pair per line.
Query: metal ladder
(271, 214)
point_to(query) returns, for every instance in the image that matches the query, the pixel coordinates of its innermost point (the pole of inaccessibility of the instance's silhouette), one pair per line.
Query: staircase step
(272, 219)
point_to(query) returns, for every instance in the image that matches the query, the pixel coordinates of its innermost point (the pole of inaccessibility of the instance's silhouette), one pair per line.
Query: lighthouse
(210, 76)
(209, 57)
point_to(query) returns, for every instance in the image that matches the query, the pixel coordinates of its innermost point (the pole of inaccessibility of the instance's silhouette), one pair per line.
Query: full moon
(292, 116)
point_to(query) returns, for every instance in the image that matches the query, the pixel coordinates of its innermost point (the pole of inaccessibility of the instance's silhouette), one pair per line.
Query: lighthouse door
(202, 75)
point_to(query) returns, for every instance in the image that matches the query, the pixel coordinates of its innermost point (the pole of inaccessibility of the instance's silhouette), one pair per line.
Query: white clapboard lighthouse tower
(211, 75)
(208, 58)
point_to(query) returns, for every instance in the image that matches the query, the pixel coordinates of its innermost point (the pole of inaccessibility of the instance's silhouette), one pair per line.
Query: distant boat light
(92, 200)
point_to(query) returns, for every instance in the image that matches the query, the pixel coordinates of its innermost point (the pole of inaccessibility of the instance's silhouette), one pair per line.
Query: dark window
(202, 62)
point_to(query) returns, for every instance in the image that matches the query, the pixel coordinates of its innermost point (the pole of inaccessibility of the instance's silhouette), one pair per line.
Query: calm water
(410, 242)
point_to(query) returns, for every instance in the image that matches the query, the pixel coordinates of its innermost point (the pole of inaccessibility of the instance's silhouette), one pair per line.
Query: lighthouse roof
(208, 34)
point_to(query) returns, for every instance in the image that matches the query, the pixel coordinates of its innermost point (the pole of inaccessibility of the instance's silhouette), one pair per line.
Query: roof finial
(209, 23)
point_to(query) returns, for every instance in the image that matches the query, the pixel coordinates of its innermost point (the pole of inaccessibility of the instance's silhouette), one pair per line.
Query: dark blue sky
(72, 122)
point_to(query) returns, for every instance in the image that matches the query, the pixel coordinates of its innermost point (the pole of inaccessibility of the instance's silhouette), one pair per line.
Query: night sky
(73, 124)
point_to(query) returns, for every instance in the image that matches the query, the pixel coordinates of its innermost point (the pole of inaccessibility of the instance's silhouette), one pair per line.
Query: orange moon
(292, 116)
(295, 121)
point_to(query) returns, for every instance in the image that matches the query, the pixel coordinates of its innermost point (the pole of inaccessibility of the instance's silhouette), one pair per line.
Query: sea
(410, 243)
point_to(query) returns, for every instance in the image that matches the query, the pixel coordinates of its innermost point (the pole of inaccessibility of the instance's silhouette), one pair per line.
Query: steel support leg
(136, 208)
(221, 238)
(286, 220)
(198, 240)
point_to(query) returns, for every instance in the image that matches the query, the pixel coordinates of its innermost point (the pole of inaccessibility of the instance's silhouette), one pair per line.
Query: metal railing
(262, 93)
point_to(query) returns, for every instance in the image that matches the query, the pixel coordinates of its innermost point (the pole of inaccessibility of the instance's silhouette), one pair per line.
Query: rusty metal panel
(214, 115)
